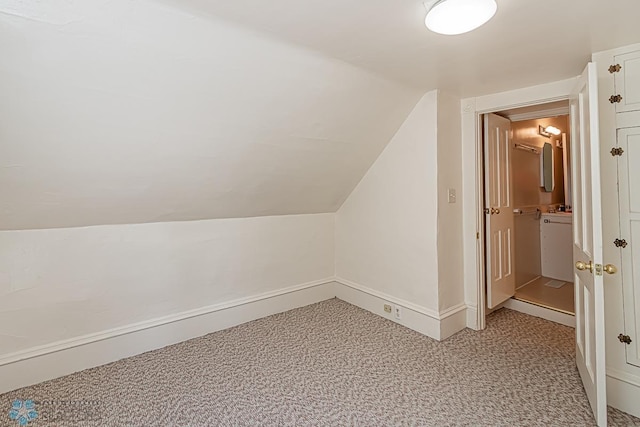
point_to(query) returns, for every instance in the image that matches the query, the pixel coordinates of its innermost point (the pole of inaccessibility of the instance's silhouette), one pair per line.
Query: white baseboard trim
(412, 319)
(404, 303)
(452, 320)
(472, 317)
(537, 311)
(437, 325)
(623, 391)
(61, 358)
(46, 362)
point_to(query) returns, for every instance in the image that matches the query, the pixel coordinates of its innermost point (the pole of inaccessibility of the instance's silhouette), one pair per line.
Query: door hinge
(477, 235)
(615, 68)
(615, 98)
(620, 243)
(616, 151)
(624, 338)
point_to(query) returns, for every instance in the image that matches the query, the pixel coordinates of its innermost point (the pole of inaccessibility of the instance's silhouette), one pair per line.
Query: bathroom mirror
(546, 167)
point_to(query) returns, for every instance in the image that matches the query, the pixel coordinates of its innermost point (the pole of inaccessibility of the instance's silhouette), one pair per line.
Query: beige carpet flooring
(332, 364)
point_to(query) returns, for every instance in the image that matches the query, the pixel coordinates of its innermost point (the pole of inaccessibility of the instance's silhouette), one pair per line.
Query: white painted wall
(63, 283)
(450, 253)
(397, 234)
(117, 112)
(386, 230)
(131, 130)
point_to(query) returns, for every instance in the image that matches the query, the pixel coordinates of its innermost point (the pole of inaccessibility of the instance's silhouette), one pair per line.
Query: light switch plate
(452, 195)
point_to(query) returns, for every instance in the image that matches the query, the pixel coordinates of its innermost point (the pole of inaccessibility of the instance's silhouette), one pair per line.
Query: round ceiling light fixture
(452, 17)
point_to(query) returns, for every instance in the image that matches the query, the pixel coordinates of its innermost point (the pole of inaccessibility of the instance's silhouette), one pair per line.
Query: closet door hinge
(620, 243)
(615, 99)
(616, 151)
(624, 339)
(615, 68)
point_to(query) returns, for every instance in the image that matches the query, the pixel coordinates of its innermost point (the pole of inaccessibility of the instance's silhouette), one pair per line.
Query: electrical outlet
(397, 312)
(387, 308)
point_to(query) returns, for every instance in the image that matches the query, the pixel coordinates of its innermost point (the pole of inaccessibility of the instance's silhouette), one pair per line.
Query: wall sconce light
(553, 130)
(548, 131)
(543, 132)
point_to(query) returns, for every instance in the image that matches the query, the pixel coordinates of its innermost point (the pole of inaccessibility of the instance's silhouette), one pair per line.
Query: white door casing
(587, 242)
(629, 208)
(499, 222)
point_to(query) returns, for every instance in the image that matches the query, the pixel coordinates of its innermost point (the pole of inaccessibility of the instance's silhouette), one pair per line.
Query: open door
(501, 281)
(587, 242)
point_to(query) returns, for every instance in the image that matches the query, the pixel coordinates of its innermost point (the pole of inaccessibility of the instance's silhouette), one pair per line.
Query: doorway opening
(586, 217)
(527, 225)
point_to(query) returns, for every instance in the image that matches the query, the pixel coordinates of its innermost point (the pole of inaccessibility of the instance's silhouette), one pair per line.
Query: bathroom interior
(541, 182)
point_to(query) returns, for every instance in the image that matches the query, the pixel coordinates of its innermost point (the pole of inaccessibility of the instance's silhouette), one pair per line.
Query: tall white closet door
(629, 199)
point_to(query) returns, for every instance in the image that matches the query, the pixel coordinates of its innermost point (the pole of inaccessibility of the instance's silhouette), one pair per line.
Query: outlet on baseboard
(397, 312)
(387, 308)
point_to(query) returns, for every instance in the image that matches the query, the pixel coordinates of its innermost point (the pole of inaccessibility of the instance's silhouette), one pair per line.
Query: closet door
(587, 242)
(629, 200)
(627, 82)
(499, 221)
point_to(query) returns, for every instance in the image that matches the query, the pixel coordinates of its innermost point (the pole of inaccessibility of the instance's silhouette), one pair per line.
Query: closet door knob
(581, 265)
(610, 269)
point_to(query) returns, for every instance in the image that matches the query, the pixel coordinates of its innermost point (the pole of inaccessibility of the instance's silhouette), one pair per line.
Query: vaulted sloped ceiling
(528, 42)
(132, 112)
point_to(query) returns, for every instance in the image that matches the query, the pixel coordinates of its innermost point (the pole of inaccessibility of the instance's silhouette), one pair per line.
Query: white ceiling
(526, 43)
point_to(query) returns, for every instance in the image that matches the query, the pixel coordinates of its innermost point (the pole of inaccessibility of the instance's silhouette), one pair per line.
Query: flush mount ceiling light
(452, 17)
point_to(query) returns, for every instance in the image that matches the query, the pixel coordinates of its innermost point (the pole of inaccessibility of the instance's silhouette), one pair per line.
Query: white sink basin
(558, 214)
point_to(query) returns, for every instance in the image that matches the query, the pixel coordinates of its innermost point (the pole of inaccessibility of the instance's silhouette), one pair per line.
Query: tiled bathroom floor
(561, 299)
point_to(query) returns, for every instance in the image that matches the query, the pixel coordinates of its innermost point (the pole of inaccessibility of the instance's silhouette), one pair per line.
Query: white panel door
(627, 82)
(629, 200)
(499, 222)
(587, 242)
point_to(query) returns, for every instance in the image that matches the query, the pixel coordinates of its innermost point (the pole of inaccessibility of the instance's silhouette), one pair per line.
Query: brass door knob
(581, 265)
(497, 211)
(610, 269)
